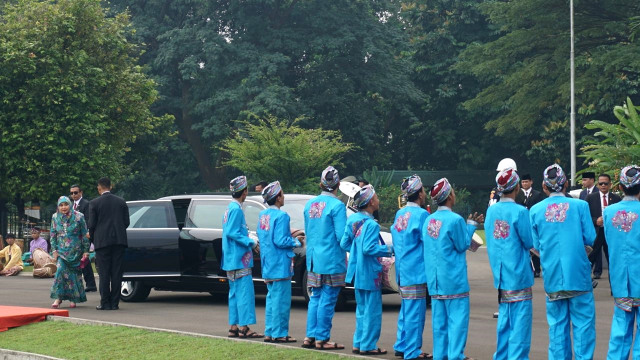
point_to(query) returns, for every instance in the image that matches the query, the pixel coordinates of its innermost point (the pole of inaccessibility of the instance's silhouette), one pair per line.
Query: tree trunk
(213, 179)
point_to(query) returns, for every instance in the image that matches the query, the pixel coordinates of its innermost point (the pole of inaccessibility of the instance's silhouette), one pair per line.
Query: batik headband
(507, 180)
(270, 191)
(238, 184)
(555, 181)
(440, 190)
(630, 176)
(364, 196)
(330, 178)
(411, 185)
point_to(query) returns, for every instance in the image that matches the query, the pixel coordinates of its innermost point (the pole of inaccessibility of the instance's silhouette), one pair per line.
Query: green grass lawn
(70, 341)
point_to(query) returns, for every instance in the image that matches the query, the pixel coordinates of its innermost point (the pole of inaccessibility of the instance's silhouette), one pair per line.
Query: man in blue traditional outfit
(325, 217)
(561, 228)
(409, 251)
(446, 239)
(237, 261)
(508, 232)
(276, 256)
(623, 235)
(365, 271)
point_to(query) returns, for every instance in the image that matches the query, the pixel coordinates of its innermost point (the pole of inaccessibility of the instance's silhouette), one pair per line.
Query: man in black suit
(528, 197)
(588, 184)
(82, 205)
(598, 200)
(109, 220)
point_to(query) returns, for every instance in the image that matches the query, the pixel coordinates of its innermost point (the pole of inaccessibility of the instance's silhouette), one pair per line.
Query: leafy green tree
(72, 98)
(276, 150)
(332, 63)
(615, 145)
(525, 71)
(439, 31)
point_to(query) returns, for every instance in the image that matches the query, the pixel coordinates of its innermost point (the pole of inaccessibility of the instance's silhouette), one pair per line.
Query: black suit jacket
(583, 193)
(83, 207)
(109, 219)
(535, 197)
(595, 207)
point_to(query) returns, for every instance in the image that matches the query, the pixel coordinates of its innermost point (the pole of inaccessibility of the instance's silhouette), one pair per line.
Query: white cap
(506, 163)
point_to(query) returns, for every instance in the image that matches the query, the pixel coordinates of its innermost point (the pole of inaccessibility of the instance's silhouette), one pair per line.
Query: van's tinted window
(148, 216)
(206, 214)
(251, 214)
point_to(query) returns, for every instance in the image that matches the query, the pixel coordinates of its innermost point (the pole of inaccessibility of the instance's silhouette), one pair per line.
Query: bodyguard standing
(598, 202)
(82, 205)
(109, 219)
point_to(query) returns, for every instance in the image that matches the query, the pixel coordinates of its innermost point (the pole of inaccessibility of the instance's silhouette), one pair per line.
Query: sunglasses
(75, 192)
(603, 183)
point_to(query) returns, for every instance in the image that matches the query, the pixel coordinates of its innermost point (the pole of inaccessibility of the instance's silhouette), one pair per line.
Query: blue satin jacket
(406, 232)
(365, 271)
(446, 240)
(508, 232)
(325, 217)
(561, 227)
(622, 231)
(276, 244)
(236, 244)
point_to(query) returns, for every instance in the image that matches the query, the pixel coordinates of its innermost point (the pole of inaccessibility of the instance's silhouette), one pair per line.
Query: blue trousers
(580, 312)
(622, 334)
(410, 327)
(368, 319)
(278, 308)
(322, 306)
(514, 331)
(450, 321)
(242, 302)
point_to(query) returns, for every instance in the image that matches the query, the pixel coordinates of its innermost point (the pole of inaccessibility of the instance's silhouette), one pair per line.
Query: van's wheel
(134, 291)
(341, 302)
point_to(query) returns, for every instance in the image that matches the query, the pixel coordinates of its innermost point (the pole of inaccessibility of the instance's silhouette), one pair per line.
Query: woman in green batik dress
(70, 246)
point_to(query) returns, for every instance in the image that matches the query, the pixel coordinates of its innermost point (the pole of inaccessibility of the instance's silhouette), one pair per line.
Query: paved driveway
(204, 313)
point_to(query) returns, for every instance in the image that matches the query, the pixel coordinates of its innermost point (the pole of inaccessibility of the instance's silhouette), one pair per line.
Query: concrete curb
(20, 355)
(79, 321)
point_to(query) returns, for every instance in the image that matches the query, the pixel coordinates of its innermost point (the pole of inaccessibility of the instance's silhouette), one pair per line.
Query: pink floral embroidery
(623, 221)
(316, 209)
(264, 222)
(246, 258)
(226, 217)
(377, 282)
(556, 212)
(501, 229)
(434, 228)
(356, 228)
(402, 222)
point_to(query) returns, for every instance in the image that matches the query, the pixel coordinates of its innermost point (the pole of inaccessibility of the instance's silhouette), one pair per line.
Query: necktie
(75, 206)
(604, 200)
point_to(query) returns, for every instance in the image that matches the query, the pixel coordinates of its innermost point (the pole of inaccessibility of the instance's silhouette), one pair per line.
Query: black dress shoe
(399, 354)
(90, 289)
(101, 307)
(114, 308)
